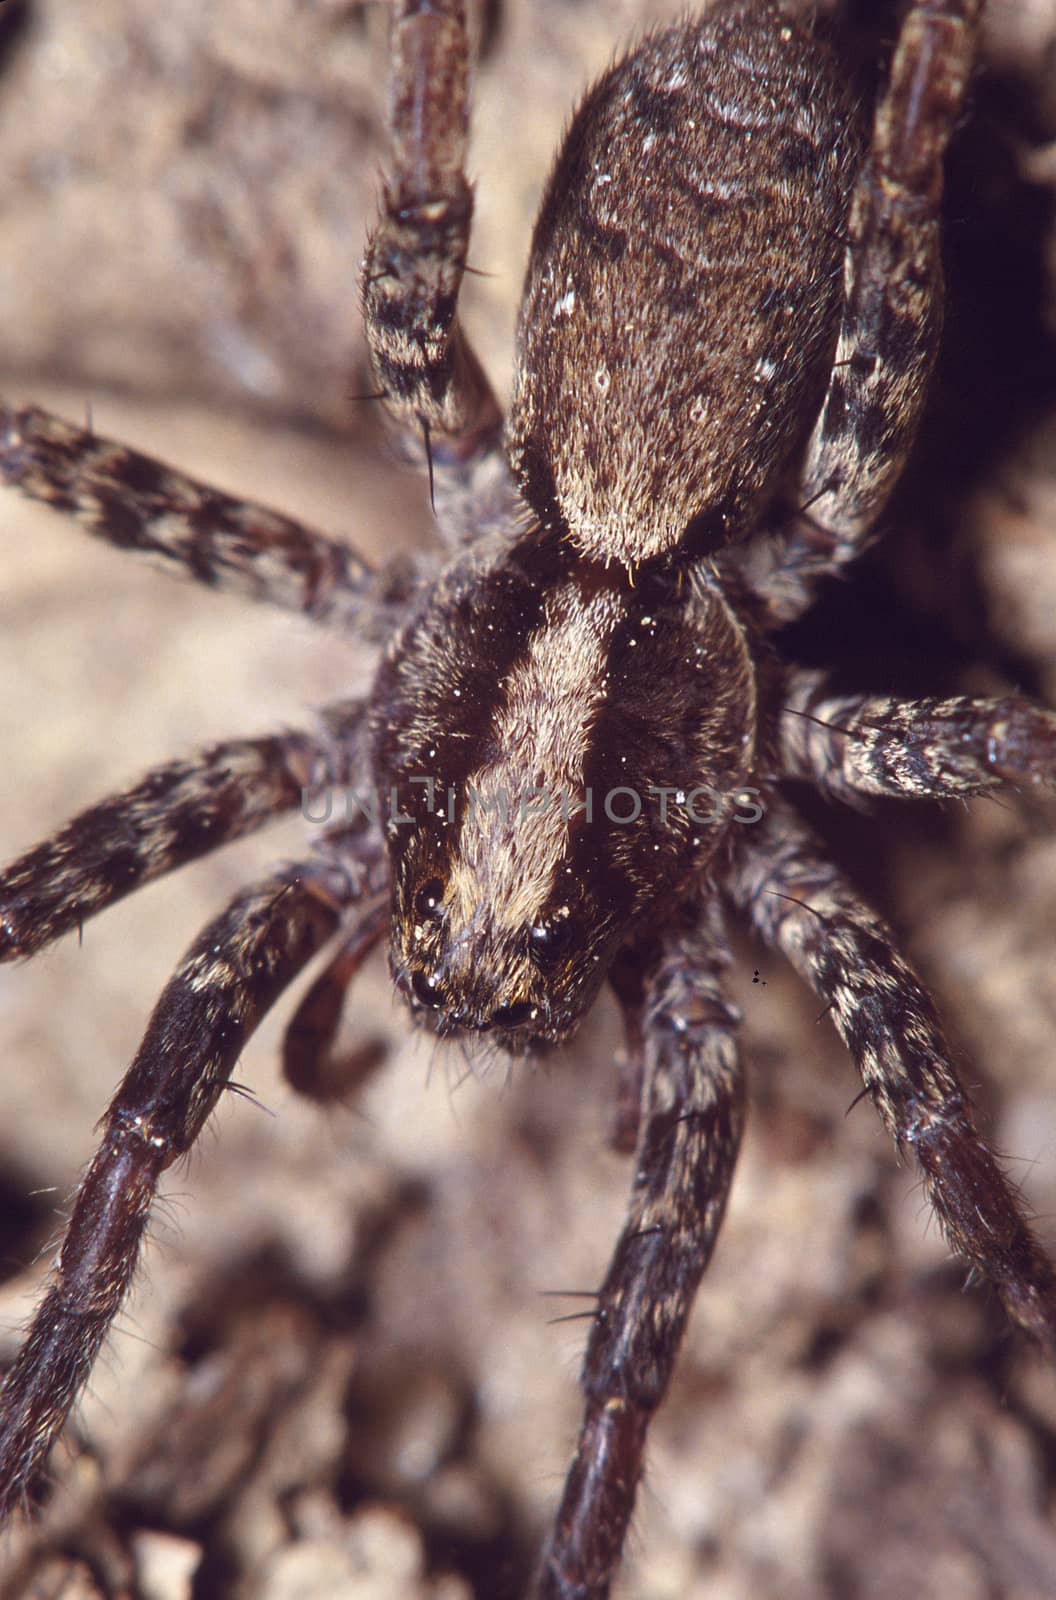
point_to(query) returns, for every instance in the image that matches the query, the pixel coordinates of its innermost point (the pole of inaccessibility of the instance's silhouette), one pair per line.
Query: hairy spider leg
(176, 813)
(627, 982)
(691, 1123)
(229, 978)
(308, 1047)
(934, 748)
(139, 504)
(436, 391)
(802, 905)
(892, 313)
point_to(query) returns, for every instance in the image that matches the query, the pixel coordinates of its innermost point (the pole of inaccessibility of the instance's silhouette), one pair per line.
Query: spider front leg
(308, 1048)
(434, 387)
(801, 904)
(229, 978)
(176, 814)
(690, 1131)
(137, 503)
(913, 749)
(892, 312)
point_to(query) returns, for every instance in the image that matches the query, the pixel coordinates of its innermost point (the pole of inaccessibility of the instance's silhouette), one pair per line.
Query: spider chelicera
(575, 753)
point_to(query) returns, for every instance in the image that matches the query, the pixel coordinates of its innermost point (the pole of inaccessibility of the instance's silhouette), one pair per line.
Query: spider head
(554, 753)
(470, 958)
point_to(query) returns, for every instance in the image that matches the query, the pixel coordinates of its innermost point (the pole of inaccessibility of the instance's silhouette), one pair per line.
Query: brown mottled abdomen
(682, 298)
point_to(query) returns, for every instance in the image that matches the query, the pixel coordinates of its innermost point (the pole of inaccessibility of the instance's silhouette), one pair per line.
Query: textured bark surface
(338, 1375)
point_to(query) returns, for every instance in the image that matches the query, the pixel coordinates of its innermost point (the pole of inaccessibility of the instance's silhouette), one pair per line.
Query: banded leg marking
(691, 1123)
(801, 904)
(914, 749)
(892, 311)
(137, 503)
(229, 978)
(435, 389)
(177, 813)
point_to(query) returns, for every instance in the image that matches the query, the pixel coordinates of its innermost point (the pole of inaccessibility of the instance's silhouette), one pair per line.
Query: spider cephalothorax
(602, 737)
(730, 317)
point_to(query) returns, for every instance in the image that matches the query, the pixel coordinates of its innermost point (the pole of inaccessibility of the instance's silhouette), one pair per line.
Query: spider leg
(801, 904)
(627, 978)
(175, 814)
(435, 389)
(692, 1116)
(137, 503)
(307, 1050)
(914, 749)
(892, 313)
(228, 979)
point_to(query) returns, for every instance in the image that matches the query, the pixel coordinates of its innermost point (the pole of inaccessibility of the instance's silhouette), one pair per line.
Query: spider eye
(428, 900)
(547, 941)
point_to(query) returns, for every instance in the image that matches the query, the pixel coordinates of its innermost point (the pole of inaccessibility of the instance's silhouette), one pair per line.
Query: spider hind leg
(436, 393)
(892, 313)
(130, 500)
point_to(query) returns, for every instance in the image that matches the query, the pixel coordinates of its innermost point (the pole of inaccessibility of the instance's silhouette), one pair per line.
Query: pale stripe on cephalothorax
(511, 846)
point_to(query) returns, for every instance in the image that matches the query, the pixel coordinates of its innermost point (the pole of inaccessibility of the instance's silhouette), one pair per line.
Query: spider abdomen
(697, 205)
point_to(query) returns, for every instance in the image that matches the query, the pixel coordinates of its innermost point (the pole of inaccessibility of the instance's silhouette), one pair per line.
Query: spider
(576, 752)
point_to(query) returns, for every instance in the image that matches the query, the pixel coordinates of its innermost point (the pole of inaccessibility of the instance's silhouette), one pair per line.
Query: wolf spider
(730, 314)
